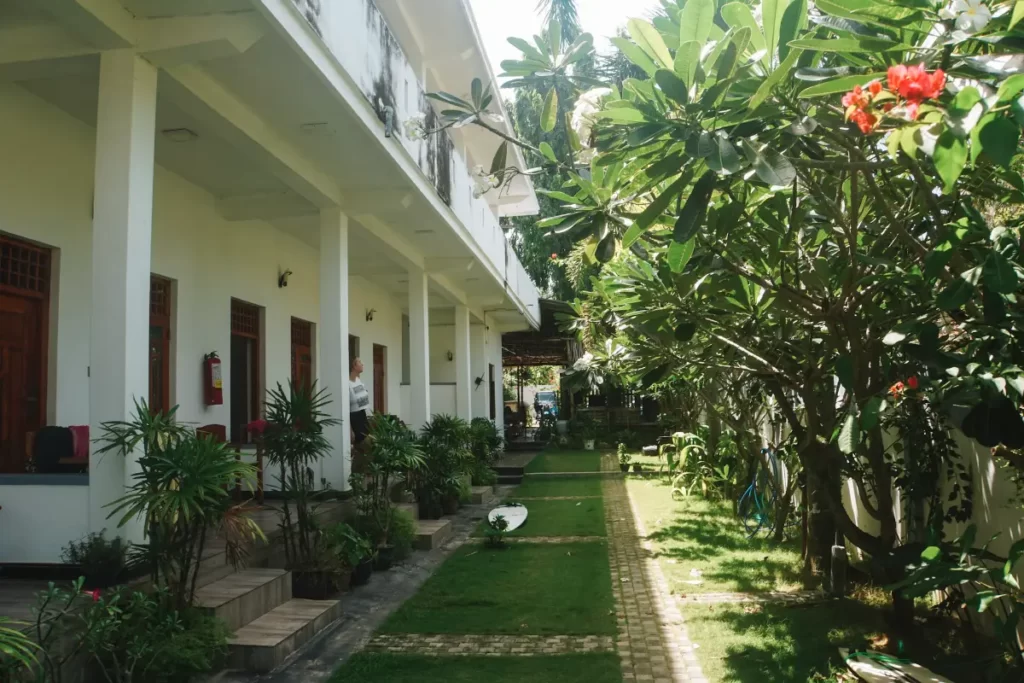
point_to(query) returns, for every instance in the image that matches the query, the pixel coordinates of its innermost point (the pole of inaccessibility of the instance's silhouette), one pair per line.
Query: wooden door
(24, 321)
(490, 382)
(159, 345)
(245, 383)
(302, 352)
(380, 379)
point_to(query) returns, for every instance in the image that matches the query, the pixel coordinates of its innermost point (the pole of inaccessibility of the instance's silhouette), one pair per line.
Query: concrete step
(483, 495)
(246, 595)
(510, 479)
(431, 533)
(411, 508)
(264, 644)
(509, 470)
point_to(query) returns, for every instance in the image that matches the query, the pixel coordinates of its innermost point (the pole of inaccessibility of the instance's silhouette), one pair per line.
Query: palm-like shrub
(293, 439)
(17, 650)
(181, 492)
(393, 452)
(447, 446)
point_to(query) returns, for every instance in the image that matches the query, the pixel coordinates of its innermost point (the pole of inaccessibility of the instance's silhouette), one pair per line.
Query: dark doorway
(302, 352)
(159, 344)
(245, 368)
(380, 379)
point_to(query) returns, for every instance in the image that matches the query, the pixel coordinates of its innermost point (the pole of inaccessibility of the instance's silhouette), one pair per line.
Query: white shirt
(358, 397)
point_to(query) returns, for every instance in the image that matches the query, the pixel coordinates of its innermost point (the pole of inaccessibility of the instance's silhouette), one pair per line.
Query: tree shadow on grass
(753, 575)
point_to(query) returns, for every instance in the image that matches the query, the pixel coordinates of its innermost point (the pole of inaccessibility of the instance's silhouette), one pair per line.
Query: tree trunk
(820, 522)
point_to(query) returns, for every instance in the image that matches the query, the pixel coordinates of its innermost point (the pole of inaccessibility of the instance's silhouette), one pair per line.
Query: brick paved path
(546, 539)
(524, 646)
(653, 642)
(559, 498)
(792, 598)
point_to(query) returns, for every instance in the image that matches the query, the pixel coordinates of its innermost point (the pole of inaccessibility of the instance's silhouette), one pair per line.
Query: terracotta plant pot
(385, 558)
(318, 585)
(362, 572)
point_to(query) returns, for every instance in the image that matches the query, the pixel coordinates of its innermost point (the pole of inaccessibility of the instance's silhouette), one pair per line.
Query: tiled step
(244, 596)
(264, 644)
(431, 533)
(510, 479)
(483, 495)
(411, 508)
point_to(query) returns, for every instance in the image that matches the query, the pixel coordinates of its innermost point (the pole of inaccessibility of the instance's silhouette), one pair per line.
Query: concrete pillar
(478, 368)
(333, 373)
(419, 349)
(463, 365)
(121, 241)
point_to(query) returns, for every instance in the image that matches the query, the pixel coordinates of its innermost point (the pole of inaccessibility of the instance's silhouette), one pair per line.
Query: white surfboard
(885, 669)
(515, 515)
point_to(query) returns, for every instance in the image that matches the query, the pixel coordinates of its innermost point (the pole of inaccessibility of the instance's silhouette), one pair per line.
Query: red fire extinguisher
(213, 384)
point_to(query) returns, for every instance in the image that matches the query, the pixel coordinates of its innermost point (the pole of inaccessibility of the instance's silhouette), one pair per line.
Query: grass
(694, 534)
(534, 487)
(560, 518)
(566, 461)
(387, 668)
(525, 588)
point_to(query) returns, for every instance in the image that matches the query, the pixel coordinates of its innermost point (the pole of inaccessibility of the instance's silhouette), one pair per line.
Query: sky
(499, 19)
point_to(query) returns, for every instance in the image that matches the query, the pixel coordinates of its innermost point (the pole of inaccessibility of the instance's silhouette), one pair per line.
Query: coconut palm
(565, 13)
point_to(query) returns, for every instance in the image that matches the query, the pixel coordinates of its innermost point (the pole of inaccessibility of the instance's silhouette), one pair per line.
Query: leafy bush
(496, 531)
(17, 650)
(486, 441)
(101, 561)
(483, 475)
(465, 493)
(446, 443)
(350, 545)
(403, 533)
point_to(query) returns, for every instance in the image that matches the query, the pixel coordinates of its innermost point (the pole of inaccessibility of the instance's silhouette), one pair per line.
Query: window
(302, 352)
(159, 344)
(245, 387)
(24, 329)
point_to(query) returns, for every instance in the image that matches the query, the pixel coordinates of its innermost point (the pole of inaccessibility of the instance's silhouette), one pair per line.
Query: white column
(121, 240)
(419, 349)
(334, 368)
(463, 365)
(478, 368)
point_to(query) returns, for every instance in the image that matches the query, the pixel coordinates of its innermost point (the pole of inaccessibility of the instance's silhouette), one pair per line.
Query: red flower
(257, 427)
(896, 389)
(915, 83)
(857, 98)
(874, 87)
(554, 257)
(865, 120)
(94, 594)
(912, 382)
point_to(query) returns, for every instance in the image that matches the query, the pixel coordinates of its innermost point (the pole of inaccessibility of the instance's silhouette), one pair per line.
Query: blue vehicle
(546, 402)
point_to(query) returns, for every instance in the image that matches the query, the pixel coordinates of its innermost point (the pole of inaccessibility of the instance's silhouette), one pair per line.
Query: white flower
(496, 119)
(584, 114)
(483, 181)
(971, 15)
(415, 128)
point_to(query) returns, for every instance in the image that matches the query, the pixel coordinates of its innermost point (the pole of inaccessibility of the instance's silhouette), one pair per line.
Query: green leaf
(560, 196)
(1018, 13)
(738, 15)
(794, 20)
(724, 158)
(774, 168)
(606, 248)
(950, 158)
(998, 138)
(622, 115)
(869, 417)
(727, 61)
(771, 19)
(679, 255)
(1017, 383)
(774, 78)
(695, 22)
(867, 45)
(660, 203)
(650, 41)
(685, 331)
(548, 151)
(529, 51)
(980, 601)
(500, 159)
(635, 55)
(555, 36)
(687, 61)
(999, 274)
(842, 84)
(844, 372)
(931, 553)
(955, 295)
(672, 86)
(694, 211)
(477, 91)
(849, 435)
(1009, 88)
(632, 235)
(550, 111)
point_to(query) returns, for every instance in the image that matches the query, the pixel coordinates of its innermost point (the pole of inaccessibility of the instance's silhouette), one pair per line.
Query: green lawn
(559, 518)
(387, 668)
(534, 487)
(525, 588)
(694, 534)
(566, 461)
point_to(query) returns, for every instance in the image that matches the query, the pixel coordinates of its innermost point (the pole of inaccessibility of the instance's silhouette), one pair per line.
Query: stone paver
(489, 645)
(653, 643)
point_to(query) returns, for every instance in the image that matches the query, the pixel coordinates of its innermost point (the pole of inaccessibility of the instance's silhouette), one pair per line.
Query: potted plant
(355, 550)
(638, 467)
(446, 444)
(624, 458)
(293, 439)
(100, 561)
(585, 428)
(394, 452)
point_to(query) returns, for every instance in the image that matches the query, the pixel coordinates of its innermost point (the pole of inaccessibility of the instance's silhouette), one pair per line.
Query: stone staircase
(430, 533)
(509, 475)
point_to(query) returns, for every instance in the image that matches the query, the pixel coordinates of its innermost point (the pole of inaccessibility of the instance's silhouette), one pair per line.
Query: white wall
(442, 341)
(385, 329)
(36, 522)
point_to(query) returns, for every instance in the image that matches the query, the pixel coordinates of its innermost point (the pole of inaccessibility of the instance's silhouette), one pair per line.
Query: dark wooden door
(490, 381)
(245, 368)
(22, 386)
(380, 379)
(159, 345)
(302, 352)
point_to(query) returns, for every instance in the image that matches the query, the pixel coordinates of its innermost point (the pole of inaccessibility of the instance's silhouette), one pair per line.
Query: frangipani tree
(824, 197)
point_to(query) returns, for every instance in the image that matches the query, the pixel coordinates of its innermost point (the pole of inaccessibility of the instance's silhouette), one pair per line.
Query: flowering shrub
(909, 87)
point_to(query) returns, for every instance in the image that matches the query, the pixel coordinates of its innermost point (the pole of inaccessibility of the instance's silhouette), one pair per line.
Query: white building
(168, 165)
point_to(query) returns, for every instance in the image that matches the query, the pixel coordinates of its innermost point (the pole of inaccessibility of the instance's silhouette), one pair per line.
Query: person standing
(359, 414)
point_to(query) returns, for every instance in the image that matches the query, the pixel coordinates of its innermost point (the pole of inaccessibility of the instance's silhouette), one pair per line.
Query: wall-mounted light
(282, 278)
(451, 356)
(478, 381)
(369, 314)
